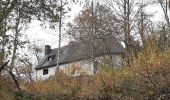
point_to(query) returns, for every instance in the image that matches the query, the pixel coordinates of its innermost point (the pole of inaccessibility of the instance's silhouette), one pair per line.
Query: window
(50, 58)
(45, 71)
(53, 57)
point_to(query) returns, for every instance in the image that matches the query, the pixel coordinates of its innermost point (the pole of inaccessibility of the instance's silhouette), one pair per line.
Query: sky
(47, 36)
(37, 33)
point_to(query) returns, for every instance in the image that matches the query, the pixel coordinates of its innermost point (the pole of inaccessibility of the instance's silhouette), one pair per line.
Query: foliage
(89, 24)
(6, 89)
(146, 78)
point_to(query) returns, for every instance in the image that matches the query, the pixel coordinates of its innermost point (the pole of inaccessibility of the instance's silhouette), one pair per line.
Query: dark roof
(79, 51)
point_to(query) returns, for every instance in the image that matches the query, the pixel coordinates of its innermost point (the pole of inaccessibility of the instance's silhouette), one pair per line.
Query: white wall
(85, 66)
(39, 73)
(116, 59)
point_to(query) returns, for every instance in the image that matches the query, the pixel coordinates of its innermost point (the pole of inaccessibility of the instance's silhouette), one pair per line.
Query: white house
(78, 55)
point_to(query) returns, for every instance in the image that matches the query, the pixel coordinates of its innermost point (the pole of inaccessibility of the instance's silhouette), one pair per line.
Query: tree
(59, 34)
(28, 61)
(6, 8)
(36, 49)
(164, 6)
(95, 27)
(14, 18)
(126, 12)
(58, 20)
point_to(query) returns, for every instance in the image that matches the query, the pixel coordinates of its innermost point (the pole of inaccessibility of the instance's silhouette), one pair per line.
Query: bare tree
(14, 17)
(4, 12)
(165, 7)
(35, 49)
(3, 66)
(95, 27)
(126, 12)
(59, 34)
(143, 21)
(30, 60)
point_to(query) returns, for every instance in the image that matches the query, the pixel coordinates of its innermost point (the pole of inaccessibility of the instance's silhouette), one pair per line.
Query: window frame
(45, 71)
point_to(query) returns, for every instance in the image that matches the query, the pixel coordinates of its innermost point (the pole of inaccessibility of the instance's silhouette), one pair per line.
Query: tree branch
(7, 12)
(3, 66)
(15, 80)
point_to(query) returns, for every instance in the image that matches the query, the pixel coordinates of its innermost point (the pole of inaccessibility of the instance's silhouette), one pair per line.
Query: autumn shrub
(147, 78)
(151, 71)
(6, 87)
(6, 95)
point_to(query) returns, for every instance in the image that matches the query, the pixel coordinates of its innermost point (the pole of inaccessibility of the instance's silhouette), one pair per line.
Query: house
(79, 54)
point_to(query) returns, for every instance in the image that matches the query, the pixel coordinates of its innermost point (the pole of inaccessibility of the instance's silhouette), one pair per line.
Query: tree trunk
(3, 66)
(59, 41)
(15, 80)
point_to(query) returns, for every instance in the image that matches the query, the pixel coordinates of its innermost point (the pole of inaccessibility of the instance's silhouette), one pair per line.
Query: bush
(147, 77)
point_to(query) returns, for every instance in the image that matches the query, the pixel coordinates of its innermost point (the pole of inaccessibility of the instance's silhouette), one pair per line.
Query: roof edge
(48, 66)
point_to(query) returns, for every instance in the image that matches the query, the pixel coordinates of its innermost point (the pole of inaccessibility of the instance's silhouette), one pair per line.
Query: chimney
(47, 49)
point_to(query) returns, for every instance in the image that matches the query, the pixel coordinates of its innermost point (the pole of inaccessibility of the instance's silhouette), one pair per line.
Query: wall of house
(51, 71)
(73, 69)
(116, 59)
(77, 68)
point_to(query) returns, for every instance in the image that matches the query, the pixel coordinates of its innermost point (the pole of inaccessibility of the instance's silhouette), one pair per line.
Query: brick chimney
(47, 49)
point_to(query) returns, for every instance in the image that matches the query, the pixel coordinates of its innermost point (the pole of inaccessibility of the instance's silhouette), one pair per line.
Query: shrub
(147, 77)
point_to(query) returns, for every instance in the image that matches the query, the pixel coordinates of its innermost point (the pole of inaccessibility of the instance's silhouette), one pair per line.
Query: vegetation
(144, 75)
(146, 78)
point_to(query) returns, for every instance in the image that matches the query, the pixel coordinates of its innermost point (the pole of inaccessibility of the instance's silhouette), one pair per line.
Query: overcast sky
(36, 32)
(50, 37)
